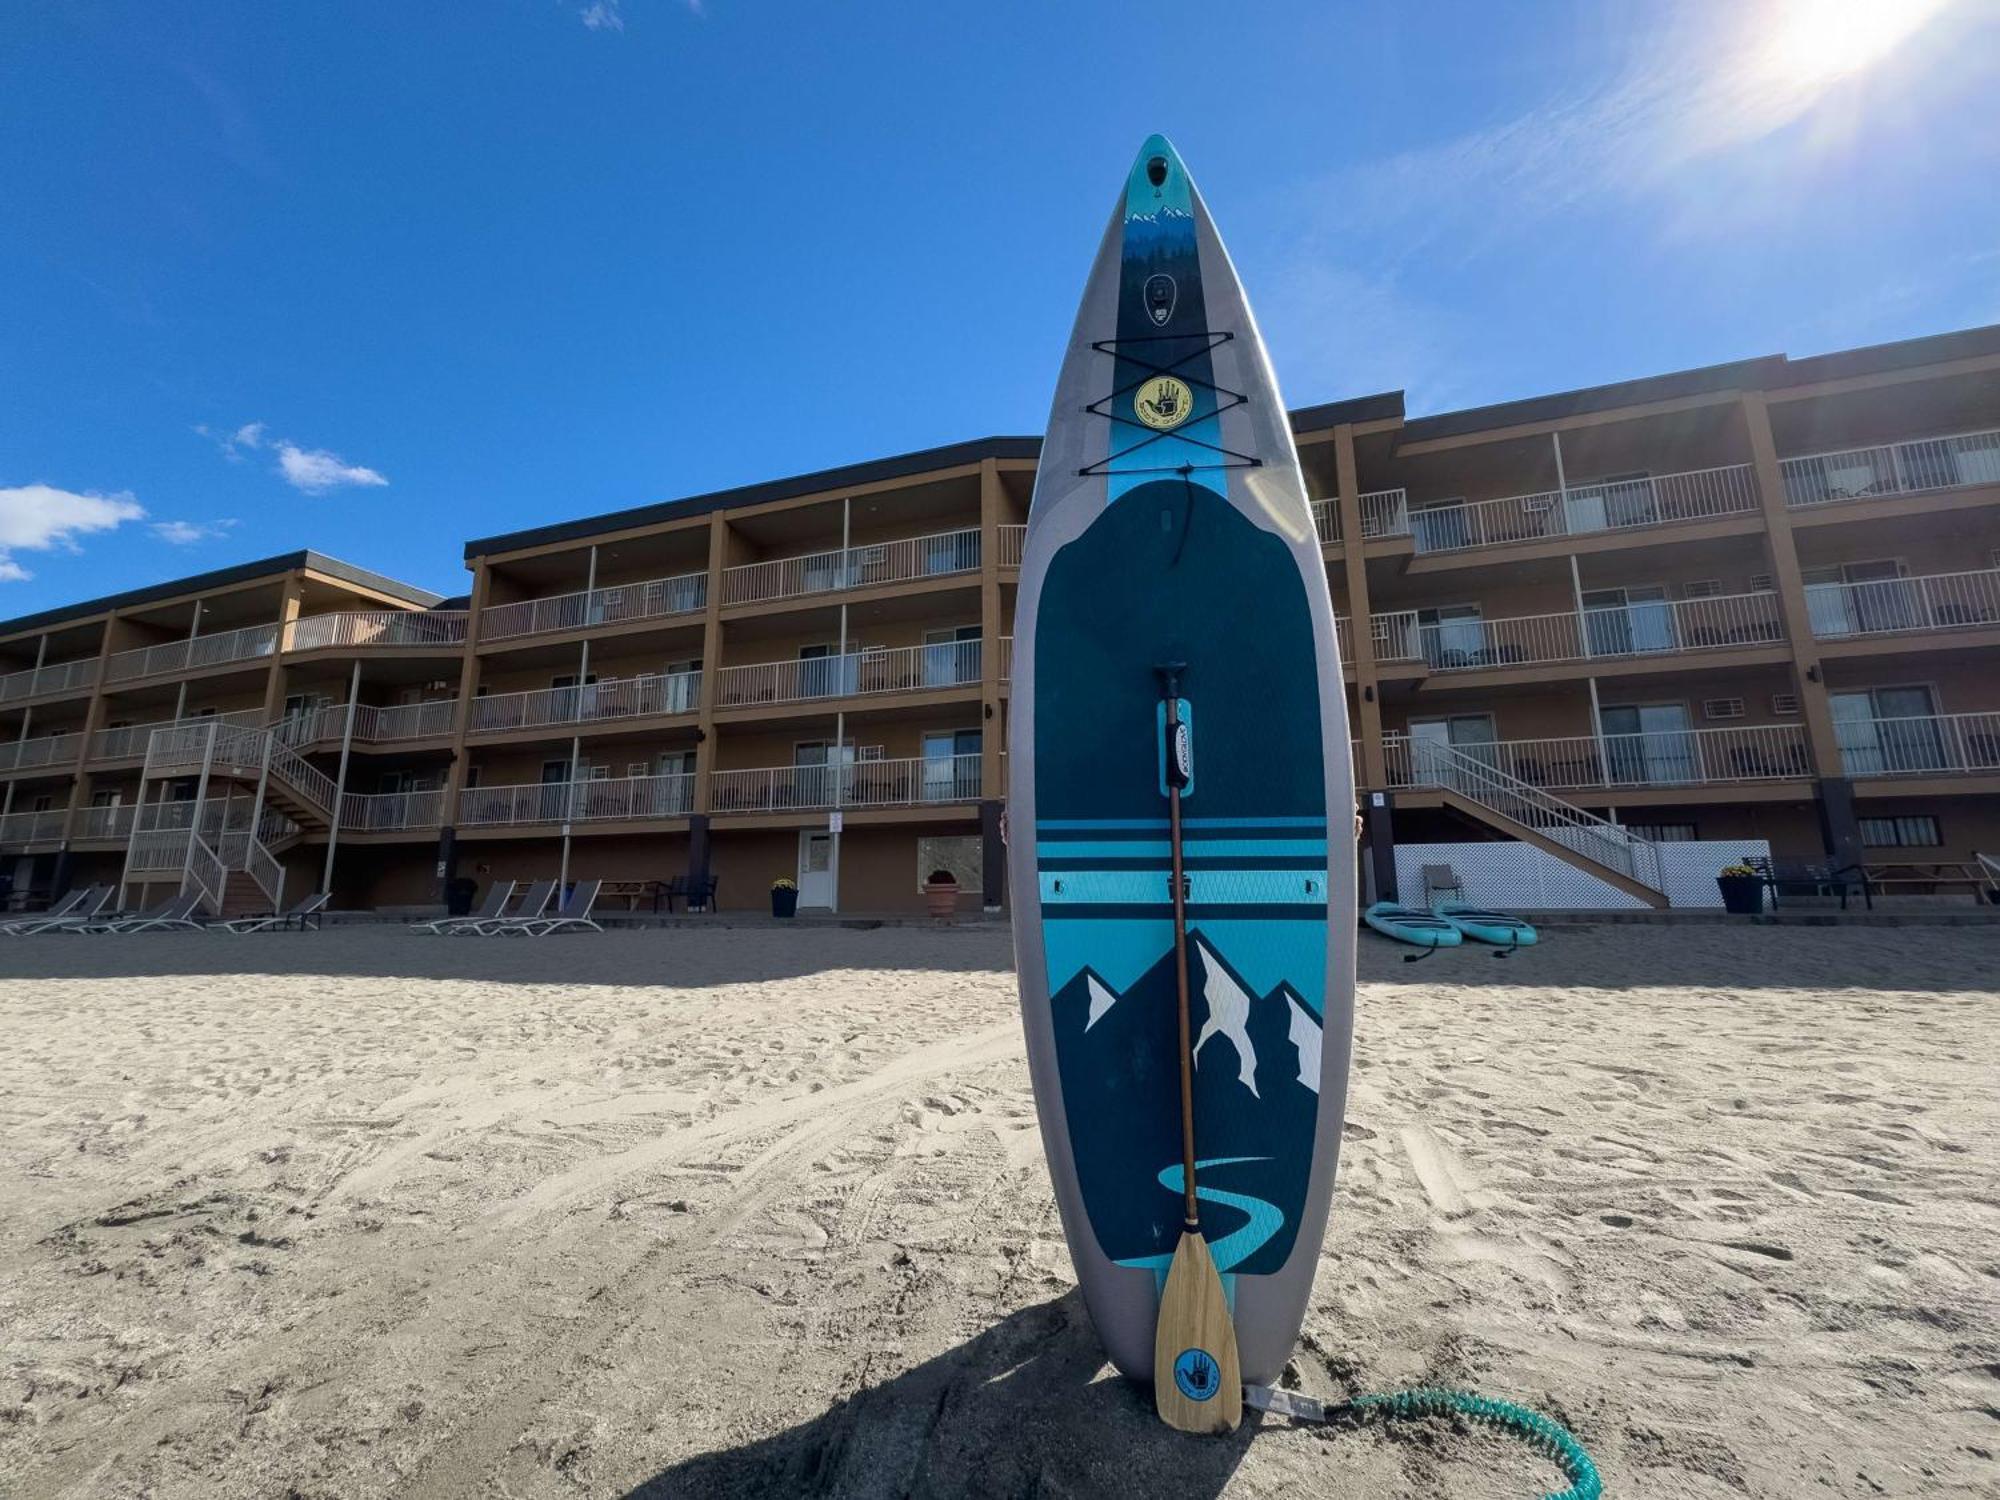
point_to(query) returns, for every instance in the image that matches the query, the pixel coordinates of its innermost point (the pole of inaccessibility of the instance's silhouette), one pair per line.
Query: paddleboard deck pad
(1170, 524)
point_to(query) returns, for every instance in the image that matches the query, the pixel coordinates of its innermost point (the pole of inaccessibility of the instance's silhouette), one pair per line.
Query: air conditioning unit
(1701, 588)
(1722, 708)
(635, 768)
(1785, 703)
(1760, 583)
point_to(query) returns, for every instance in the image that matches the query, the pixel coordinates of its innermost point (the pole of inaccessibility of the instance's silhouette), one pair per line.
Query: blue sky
(376, 278)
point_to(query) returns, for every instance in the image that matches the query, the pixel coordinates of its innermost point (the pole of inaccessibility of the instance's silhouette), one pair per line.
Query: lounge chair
(1441, 880)
(73, 910)
(182, 911)
(304, 913)
(534, 902)
(498, 894)
(575, 912)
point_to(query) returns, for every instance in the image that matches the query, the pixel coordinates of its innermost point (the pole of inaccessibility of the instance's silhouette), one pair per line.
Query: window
(1701, 588)
(1916, 832)
(960, 854)
(1785, 703)
(1722, 708)
(1663, 833)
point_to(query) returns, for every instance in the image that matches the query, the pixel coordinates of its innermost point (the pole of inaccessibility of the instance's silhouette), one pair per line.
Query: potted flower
(1742, 889)
(784, 897)
(941, 894)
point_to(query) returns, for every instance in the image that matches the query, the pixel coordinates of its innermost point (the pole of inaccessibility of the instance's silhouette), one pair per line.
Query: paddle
(1197, 1386)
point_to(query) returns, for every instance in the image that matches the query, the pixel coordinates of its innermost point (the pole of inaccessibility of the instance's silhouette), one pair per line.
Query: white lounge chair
(534, 902)
(306, 911)
(575, 912)
(497, 896)
(73, 910)
(184, 911)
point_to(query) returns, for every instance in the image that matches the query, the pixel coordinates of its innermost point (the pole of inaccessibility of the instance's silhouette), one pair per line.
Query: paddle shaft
(1191, 1208)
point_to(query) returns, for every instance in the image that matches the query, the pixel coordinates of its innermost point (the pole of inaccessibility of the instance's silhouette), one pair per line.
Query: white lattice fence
(1519, 877)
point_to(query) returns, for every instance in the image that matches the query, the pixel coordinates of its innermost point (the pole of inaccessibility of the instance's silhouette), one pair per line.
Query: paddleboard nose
(1158, 170)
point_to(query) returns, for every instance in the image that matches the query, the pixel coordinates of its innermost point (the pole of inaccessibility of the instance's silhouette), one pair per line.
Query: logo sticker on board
(1197, 1374)
(1160, 294)
(1163, 403)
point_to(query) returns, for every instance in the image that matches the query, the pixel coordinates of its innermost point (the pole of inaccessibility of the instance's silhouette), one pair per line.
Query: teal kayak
(1406, 924)
(1488, 926)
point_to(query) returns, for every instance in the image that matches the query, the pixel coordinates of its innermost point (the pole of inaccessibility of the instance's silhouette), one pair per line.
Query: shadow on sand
(1029, 1407)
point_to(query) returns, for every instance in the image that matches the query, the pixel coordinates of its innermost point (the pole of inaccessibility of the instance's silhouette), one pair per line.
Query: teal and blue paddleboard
(1170, 524)
(1410, 924)
(1497, 927)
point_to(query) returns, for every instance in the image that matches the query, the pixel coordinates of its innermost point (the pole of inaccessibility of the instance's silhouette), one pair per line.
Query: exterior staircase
(1523, 811)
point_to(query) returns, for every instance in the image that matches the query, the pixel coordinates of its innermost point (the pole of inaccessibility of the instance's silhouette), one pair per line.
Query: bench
(1921, 879)
(1809, 878)
(698, 894)
(632, 892)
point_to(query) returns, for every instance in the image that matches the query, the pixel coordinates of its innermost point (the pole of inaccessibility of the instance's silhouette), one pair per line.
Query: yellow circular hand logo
(1163, 403)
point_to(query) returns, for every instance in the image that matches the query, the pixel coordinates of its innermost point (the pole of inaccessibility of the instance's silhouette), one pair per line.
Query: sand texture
(746, 1212)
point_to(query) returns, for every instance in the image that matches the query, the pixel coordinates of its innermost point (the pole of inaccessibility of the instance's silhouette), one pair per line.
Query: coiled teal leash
(1547, 1437)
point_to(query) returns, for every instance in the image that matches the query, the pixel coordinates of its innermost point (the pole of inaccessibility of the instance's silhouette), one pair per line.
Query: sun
(1819, 41)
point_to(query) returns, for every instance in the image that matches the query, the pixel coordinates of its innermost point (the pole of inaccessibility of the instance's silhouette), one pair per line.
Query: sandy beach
(742, 1212)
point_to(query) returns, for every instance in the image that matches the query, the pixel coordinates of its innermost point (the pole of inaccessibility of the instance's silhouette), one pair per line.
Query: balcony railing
(590, 703)
(33, 827)
(1395, 637)
(1885, 606)
(1006, 658)
(129, 741)
(1937, 463)
(1385, 513)
(103, 822)
(48, 750)
(431, 718)
(1663, 758)
(359, 629)
(608, 799)
(1580, 510)
(61, 677)
(389, 812)
(247, 644)
(865, 783)
(1013, 544)
(1326, 521)
(1924, 745)
(616, 604)
(861, 567)
(1646, 628)
(902, 669)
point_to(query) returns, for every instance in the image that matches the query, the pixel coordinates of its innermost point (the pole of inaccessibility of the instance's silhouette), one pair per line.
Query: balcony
(1383, 513)
(620, 604)
(607, 799)
(1913, 468)
(938, 556)
(392, 812)
(1585, 510)
(1674, 758)
(202, 651)
(48, 750)
(104, 823)
(591, 703)
(431, 719)
(1924, 745)
(902, 669)
(1013, 544)
(1893, 606)
(859, 784)
(363, 629)
(128, 742)
(1618, 632)
(63, 677)
(43, 827)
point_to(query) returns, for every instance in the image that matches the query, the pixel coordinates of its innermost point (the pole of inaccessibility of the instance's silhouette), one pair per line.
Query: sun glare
(1818, 41)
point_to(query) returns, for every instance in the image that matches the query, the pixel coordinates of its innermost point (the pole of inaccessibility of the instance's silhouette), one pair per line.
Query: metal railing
(1675, 757)
(129, 741)
(1596, 839)
(613, 604)
(113, 822)
(45, 750)
(1579, 510)
(401, 721)
(1013, 544)
(1344, 638)
(203, 651)
(1395, 637)
(378, 627)
(605, 799)
(1919, 745)
(61, 677)
(865, 783)
(1326, 521)
(188, 746)
(33, 826)
(588, 703)
(1934, 463)
(1642, 628)
(387, 812)
(934, 556)
(1385, 513)
(902, 669)
(1882, 606)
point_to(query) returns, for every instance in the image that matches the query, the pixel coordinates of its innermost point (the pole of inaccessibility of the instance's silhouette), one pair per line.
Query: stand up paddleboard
(1170, 525)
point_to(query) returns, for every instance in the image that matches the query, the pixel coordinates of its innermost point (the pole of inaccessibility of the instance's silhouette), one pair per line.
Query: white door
(816, 869)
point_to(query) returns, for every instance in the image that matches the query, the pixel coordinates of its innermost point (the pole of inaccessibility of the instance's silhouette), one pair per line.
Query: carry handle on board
(1197, 1383)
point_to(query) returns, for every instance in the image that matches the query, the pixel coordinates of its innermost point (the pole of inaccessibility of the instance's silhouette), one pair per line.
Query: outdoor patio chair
(297, 918)
(497, 896)
(1442, 880)
(75, 908)
(534, 902)
(183, 911)
(575, 913)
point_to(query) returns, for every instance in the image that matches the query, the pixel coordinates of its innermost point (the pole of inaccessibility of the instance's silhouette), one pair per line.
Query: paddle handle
(1191, 1209)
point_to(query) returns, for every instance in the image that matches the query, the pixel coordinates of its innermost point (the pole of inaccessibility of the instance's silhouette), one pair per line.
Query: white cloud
(316, 471)
(187, 533)
(40, 518)
(232, 444)
(602, 15)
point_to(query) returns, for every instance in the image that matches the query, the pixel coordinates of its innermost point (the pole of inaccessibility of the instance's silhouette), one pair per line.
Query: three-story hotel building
(1756, 600)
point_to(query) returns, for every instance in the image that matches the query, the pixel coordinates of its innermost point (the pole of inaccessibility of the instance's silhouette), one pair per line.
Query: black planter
(1741, 894)
(784, 903)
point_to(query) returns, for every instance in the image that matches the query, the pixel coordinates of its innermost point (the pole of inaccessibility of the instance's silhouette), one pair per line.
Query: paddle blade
(1197, 1385)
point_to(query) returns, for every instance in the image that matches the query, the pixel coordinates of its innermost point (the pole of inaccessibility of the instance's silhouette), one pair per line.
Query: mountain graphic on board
(1256, 1102)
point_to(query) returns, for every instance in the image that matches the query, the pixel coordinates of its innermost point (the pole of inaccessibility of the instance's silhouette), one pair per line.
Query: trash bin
(458, 896)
